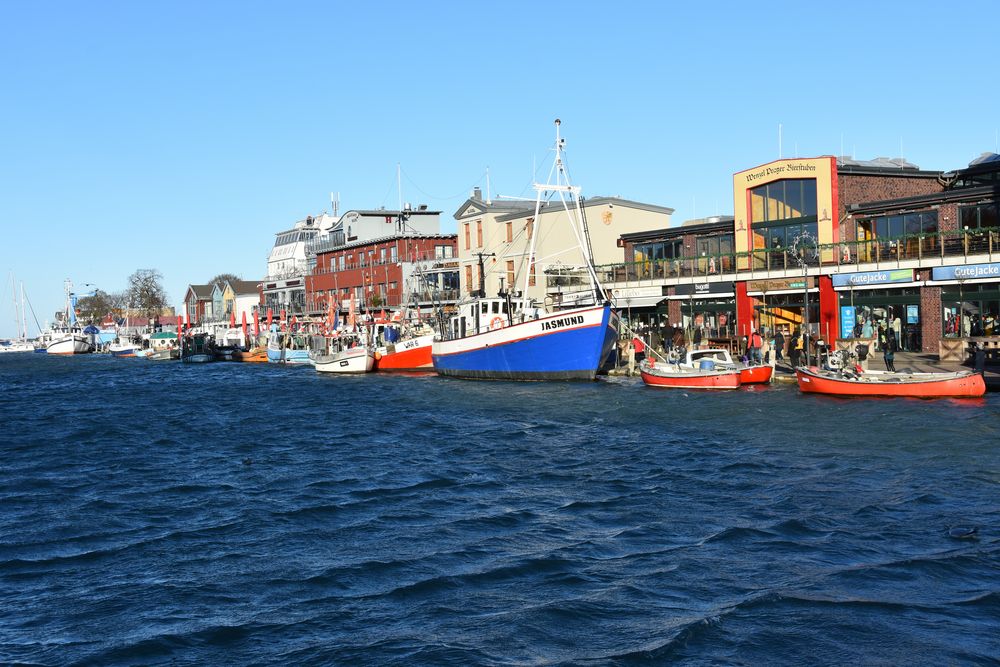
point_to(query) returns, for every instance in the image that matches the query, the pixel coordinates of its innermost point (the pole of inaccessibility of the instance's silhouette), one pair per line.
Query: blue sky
(181, 136)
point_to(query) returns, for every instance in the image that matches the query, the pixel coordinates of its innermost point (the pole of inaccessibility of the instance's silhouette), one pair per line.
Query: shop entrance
(786, 313)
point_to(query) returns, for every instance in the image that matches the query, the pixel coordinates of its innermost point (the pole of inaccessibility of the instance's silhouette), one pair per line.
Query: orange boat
(961, 384)
(256, 355)
(682, 377)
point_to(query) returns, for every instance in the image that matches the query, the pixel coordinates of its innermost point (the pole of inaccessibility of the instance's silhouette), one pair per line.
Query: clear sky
(181, 136)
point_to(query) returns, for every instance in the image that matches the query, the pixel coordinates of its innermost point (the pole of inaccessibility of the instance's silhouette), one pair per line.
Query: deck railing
(878, 252)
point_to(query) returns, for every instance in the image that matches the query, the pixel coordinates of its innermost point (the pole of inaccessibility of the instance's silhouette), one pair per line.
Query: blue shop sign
(872, 278)
(847, 321)
(969, 271)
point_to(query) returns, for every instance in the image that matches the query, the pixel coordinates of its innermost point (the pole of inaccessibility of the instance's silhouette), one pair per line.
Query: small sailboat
(21, 343)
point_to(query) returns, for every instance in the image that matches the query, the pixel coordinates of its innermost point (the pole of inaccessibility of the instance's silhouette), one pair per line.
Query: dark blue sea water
(160, 513)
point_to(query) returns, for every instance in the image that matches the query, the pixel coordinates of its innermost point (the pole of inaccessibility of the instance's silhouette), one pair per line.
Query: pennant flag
(256, 324)
(244, 325)
(270, 316)
(232, 319)
(180, 329)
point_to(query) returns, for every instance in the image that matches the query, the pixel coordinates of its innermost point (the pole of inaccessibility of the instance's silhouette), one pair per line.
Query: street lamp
(803, 245)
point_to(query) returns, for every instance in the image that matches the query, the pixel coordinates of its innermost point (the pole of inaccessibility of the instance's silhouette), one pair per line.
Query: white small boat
(16, 346)
(346, 352)
(71, 341)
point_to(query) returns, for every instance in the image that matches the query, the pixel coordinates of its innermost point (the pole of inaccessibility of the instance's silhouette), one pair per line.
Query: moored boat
(344, 352)
(288, 348)
(197, 348)
(123, 348)
(849, 382)
(514, 337)
(403, 347)
(679, 376)
(722, 360)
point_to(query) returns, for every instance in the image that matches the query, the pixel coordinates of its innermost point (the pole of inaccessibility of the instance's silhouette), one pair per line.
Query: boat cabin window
(496, 307)
(503, 308)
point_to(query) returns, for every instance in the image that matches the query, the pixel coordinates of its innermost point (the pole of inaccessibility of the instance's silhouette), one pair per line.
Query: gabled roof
(244, 287)
(201, 292)
(475, 206)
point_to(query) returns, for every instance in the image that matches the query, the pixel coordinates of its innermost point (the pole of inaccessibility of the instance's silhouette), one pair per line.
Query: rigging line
(455, 196)
(392, 185)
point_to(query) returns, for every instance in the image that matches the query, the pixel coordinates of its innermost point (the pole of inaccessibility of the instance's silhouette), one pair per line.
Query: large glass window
(783, 200)
(877, 312)
(979, 216)
(970, 311)
(653, 259)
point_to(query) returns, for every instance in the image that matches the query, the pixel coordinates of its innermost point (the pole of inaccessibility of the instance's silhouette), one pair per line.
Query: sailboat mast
(24, 320)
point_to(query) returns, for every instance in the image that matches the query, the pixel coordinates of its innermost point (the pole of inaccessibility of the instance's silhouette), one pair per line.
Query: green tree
(93, 309)
(145, 293)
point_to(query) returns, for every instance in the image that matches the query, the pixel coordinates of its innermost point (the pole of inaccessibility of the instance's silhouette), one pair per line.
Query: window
(467, 242)
(393, 255)
(510, 232)
(381, 255)
(973, 310)
(443, 252)
(479, 233)
(783, 200)
(531, 276)
(529, 228)
(468, 279)
(510, 273)
(979, 216)
(393, 286)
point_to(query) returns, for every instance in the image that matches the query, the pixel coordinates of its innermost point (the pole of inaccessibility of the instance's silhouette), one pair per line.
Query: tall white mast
(24, 321)
(562, 186)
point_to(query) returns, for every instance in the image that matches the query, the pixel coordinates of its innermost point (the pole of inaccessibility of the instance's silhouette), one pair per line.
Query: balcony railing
(390, 301)
(877, 252)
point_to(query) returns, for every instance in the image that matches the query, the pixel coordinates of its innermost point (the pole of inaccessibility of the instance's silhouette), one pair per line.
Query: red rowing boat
(681, 377)
(961, 384)
(722, 360)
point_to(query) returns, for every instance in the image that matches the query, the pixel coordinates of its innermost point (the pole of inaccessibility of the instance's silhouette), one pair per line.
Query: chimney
(477, 194)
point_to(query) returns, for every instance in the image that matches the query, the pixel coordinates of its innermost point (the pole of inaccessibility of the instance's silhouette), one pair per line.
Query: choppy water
(158, 513)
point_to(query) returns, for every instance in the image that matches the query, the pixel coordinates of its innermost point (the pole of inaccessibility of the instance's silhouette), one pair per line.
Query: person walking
(779, 344)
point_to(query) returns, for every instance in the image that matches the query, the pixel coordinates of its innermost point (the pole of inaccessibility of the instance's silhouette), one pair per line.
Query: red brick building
(387, 272)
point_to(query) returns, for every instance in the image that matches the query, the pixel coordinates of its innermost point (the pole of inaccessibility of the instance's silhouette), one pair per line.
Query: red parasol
(256, 324)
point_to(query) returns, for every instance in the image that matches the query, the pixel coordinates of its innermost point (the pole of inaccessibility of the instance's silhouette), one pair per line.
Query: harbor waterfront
(265, 514)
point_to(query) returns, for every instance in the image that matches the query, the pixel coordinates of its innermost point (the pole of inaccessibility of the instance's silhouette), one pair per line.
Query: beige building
(500, 232)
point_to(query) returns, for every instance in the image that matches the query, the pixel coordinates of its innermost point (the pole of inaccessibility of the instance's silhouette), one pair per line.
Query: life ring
(496, 323)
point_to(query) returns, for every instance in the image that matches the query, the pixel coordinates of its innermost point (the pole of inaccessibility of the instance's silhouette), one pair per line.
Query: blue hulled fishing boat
(513, 337)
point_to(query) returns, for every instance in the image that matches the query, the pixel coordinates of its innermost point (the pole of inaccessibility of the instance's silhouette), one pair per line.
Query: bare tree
(145, 293)
(223, 278)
